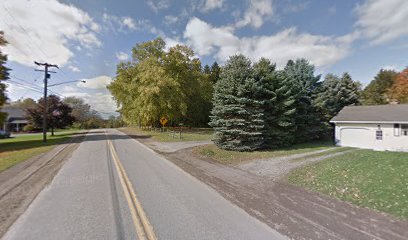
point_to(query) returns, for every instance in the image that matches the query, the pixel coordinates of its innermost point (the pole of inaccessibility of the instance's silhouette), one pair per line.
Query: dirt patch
(291, 210)
(20, 184)
(280, 166)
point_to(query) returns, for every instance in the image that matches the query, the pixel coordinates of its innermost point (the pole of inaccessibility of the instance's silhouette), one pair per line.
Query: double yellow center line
(144, 229)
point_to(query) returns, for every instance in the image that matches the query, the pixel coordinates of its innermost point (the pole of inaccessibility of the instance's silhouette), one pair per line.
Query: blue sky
(87, 38)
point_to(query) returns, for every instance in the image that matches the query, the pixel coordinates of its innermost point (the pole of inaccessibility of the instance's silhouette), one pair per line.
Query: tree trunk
(52, 131)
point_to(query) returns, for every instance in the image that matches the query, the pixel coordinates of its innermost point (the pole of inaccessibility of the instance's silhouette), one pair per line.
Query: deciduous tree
(399, 90)
(376, 93)
(58, 115)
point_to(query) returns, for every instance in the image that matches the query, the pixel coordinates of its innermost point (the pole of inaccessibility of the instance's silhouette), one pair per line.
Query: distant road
(120, 189)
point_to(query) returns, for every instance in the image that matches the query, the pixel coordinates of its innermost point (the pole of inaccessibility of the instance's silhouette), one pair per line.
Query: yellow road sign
(163, 121)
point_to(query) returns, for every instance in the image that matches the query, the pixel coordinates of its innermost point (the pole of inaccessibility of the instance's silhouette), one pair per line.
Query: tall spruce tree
(300, 76)
(237, 116)
(276, 94)
(334, 94)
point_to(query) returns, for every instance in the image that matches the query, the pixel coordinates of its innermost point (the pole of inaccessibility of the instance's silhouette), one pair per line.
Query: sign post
(163, 121)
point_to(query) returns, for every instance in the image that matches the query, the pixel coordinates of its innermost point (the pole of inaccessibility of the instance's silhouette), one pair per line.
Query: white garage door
(357, 137)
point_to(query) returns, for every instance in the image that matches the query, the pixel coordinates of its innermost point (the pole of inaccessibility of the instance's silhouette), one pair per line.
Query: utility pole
(46, 77)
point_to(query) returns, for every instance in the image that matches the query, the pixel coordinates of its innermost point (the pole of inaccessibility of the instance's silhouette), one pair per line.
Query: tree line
(388, 86)
(62, 113)
(257, 106)
(249, 105)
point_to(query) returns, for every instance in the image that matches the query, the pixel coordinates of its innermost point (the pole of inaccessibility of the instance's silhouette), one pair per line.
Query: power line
(24, 30)
(25, 86)
(40, 88)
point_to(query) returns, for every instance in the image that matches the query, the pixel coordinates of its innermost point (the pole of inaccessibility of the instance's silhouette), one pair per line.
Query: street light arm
(82, 81)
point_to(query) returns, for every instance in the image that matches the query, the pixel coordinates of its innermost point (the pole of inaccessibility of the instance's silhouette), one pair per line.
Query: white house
(382, 127)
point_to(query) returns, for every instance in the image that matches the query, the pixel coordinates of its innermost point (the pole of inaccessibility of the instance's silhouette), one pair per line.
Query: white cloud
(383, 20)
(171, 42)
(212, 4)
(129, 22)
(280, 47)
(43, 30)
(157, 5)
(296, 7)
(121, 23)
(73, 68)
(99, 82)
(257, 13)
(121, 56)
(94, 92)
(170, 19)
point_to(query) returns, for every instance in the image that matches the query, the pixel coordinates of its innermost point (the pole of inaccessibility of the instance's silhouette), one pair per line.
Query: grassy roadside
(232, 157)
(377, 180)
(201, 134)
(17, 149)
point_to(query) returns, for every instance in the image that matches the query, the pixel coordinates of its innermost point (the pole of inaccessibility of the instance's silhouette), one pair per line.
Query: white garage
(348, 136)
(382, 128)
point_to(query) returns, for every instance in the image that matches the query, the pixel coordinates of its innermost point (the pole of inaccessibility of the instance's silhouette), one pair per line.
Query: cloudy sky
(87, 38)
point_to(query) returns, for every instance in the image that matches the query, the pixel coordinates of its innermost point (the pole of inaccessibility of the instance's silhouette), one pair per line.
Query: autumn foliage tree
(399, 91)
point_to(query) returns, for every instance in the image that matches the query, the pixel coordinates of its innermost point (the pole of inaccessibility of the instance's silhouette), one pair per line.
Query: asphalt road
(91, 198)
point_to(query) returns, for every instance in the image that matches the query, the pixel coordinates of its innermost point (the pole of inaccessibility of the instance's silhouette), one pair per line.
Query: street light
(52, 85)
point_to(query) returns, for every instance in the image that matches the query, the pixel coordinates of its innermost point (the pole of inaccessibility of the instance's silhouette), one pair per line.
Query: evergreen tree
(276, 94)
(237, 116)
(304, 84)
(376, 93)
(4, 75)
(334, 94)
(215, 72)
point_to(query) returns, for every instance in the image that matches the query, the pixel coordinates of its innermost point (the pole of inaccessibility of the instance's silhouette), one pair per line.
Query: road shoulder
(291, 210)
(20, 184)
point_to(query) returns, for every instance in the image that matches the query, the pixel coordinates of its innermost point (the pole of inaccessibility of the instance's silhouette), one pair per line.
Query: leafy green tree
(58, 115)
(162, 83)
(4, 75)
(124, 90)
(237, 116)
(376, 93)
(80, 110)
(273, 90)
(114, 122)
(334, 94)
(304, 84)
(24, 104)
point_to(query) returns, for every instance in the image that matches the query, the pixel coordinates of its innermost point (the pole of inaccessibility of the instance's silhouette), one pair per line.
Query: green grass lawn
(199, 134)
(17, 149)
(377, 180)
(232, 157)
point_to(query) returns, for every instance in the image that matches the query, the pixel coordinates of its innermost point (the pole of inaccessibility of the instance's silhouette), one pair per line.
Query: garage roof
(395, 113)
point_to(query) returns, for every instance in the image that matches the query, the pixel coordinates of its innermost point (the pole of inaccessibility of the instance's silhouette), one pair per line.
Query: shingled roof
(13, 112)
(396, 113)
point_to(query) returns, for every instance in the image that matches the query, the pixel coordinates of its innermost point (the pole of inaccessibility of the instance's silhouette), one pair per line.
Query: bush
(28, 128)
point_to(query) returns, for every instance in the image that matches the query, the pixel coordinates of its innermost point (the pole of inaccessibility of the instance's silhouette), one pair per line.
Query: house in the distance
(15, 120)
(382, 128)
